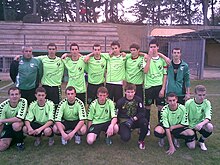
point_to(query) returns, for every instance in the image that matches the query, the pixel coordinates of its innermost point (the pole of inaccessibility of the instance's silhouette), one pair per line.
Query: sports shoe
(63, 141)
(202, 146)
(161, 142)
(148, 132)
(77, 139)
(37, 142)
(108, 141)
(51, 141)
(20, 146)
(141, 145)
(176, 143)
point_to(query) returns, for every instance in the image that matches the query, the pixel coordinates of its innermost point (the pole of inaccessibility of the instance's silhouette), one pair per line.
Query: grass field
(122, 153)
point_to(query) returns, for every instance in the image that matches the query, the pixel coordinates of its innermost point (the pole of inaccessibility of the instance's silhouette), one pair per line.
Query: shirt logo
(21, 62)
(31, 65)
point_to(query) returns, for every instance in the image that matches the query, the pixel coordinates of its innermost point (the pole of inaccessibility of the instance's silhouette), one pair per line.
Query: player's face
(176, 54)
(172, 101)
(74, 50)
(115, 49)
(52, 50)
(153, 49)
(14, 96)
(27, 53)
(102, 97)
(71, 95)
(97, 50)
(134, 52)
(200, 96)
(129, 94)
(41, 98)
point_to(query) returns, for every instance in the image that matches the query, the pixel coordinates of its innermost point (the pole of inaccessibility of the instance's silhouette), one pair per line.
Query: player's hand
(86, 59)
(71, 134)
(198, 127)
(38, 131)
(16, 58)
(171, 128)
(31, 131)
(65, 136)
(123, 54)
(111, 53)
(171, 150)
(161, 94)
(64, 56)
(110, 131)
(187, 97)
(167, 60)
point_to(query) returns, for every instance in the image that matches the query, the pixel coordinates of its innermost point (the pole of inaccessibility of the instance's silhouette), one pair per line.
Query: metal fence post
(105, 43)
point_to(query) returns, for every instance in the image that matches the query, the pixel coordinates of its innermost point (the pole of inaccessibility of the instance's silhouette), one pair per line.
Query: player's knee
(191, 145)
(24, 129)
(209, 127)
(55, 129)
(17, 126)
(90, 139)
(159, 134)
(116, 128)
(48, 131)
(159, 130)
(4, 146)
(83, 130)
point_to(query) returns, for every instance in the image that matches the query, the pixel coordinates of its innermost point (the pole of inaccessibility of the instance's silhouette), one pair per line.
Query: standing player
(40, 117)
(70, 117)
(155, 77)
(101, 117)
(75, 66)
(26, 72)
(174, 122)
(96, 68)
(200, 111)
(12, 112)
(178, 80)
(53, 69)
(131, 115)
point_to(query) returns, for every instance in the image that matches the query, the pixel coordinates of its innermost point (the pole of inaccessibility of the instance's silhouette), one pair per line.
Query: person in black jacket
(131, 115)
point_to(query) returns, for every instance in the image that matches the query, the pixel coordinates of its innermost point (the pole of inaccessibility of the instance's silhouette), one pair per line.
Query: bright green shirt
(52, 71)
(96, 70)
(40, 114)
(174, 117)
(101, 113)
(156, 72)
(70, 112)
(115, 68)
(198, 112)
(76, 74)
(134, 70)
(20, 111)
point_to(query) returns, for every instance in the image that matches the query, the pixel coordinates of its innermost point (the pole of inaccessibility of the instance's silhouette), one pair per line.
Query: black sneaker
(20, 146)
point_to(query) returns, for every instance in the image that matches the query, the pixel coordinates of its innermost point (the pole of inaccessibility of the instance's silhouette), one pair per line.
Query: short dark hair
(154, 41)
(171, 94)
(74, 44)
(130, 86)
(40, 89)
(200, 88)
(134, 45)
(13, 89)
(102, 90)
(70, 88)
(176, 49)
(96, 45)
(115, 43)
(52, 44)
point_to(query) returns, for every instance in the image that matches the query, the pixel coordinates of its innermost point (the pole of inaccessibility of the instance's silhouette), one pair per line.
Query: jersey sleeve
(91, 111)
(30, 114)
(164, 118)
(51, 111)
(59, 112)
(208, 110)
(140, 109)
(187, 76)
(82, 112)
(185, 119)
(40, 69)
(112, 109)
(23, 111)
(2, 109)
(105, 56)
(164, 66)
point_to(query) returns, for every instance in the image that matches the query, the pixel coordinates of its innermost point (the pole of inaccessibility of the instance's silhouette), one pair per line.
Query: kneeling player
(200, 111)
(40, 117)
(102, 117)
(174, 122)
(131, 115)
(12, 112)
(70, 117)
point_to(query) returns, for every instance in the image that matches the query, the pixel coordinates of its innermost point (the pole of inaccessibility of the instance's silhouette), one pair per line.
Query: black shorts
(35, 125)
(139, 91)
(69, 125)
(82, 97)
(53, 93)
(97, 128)
(7, 132)
(92, 91)
(152, 94)
(115, 91)
(29, 95)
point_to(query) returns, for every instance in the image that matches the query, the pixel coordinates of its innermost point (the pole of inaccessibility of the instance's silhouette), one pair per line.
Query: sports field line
(6, 86)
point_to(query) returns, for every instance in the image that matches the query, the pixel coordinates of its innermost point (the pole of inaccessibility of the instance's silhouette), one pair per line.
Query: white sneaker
(63, 141)
(148, 132)
(176, 143)
(77, 139)
(141, 145)
(161, 142)
(202, 146)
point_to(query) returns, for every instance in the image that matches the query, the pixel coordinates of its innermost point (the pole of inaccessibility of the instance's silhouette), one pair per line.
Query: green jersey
(96, 70)
(174, 117)
(6, 111)
(156, 72)
(198, 112)
(101, 113)
(76, 74)
(115, 68)
(70, 112)
(134, 70)
(40, 114)
(52, 71)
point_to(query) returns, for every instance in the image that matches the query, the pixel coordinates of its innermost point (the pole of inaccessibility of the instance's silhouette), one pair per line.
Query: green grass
(119, 152)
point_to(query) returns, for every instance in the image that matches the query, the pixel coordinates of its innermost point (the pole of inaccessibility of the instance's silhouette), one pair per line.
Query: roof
(166, 32)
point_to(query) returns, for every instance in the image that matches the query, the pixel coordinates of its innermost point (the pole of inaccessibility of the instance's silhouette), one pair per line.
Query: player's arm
(89, 123)
(176, 126)
(110, 129)
(65, 55)
(168, 61)
(171, 149)
(201, 124)
(162, 91)
(87, 57)
(43, 127)
(10, 120)
(30, 130)
(187, 82)
(77, 128)
(14, 70)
